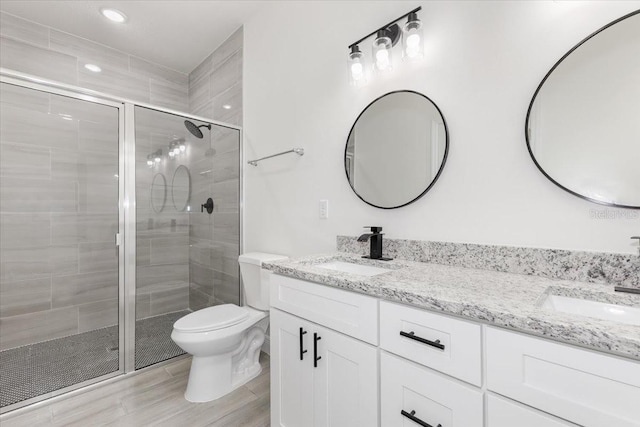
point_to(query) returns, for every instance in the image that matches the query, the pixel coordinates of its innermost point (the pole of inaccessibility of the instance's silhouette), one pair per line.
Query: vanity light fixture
(386, 37)
(150, 160)
(157, 156)
(113, 15)
(93, 67)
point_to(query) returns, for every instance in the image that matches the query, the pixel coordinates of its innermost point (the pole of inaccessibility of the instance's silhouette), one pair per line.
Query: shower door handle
(302, 351)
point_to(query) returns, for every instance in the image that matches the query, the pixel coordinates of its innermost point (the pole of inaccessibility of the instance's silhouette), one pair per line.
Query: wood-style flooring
(154, 397)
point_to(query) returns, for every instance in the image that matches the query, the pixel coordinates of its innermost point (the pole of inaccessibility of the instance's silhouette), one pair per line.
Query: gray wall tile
(24, 98)
(52, 131)
(87, 51)
(168, 94)
(143, 306)
(26, 296)
(24, 161)
(84, 288)
(146, 68)
(24, 230)
(226, 75)
(30, 59)
(95, 257)
(172, 249)
(230, 46)
(170, 300)
(17, 331)
(97, 315)
(70, 228)
(20, 29)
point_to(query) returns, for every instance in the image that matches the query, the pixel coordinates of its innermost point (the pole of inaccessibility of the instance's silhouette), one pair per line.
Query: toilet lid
(212, 318)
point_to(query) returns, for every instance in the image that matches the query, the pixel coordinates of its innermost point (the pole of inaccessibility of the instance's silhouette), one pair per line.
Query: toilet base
(212, 377)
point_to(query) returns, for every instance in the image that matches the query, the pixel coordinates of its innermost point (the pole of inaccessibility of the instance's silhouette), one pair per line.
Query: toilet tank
(255, 279)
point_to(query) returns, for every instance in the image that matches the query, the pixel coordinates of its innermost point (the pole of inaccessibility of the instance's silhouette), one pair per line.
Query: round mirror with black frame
(396, 149)
(583, 123)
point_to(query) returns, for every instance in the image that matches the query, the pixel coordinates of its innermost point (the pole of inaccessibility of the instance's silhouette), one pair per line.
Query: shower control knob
(208, 206)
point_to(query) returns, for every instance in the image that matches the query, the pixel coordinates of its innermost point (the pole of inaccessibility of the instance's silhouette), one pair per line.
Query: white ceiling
(176, 34)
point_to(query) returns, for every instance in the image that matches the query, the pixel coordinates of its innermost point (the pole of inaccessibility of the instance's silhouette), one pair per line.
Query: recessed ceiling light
(93, 67)
(113, 15)
(226, 106)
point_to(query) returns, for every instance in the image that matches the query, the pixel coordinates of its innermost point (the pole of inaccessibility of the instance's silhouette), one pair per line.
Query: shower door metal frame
(126, 209)
(36, 84)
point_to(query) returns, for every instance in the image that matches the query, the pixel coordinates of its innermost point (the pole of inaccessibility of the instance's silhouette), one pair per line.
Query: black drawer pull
(411, 335)
(412, 416)
(316, 338)
(302, 352)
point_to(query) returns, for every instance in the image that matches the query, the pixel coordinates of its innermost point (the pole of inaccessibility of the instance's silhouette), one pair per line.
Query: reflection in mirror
(181, 188)
(396, 149)
(583, 124)
(158, 193)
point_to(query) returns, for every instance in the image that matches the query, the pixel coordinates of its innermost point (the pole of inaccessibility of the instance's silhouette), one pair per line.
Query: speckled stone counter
(502, 299)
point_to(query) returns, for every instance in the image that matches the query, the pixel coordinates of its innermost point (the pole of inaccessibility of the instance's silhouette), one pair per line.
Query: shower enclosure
(105, 233)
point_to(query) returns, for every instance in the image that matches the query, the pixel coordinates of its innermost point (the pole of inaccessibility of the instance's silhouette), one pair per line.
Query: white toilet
(225, 340)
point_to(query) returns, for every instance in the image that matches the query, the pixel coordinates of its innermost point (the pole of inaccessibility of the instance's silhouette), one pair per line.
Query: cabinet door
(345, 380)
(291, 378)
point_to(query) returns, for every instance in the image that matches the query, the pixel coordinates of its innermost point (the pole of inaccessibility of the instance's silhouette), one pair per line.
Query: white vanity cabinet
(321, 377)
(379, 363)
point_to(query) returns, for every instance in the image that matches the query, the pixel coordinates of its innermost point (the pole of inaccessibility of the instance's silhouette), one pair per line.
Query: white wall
(483, 61)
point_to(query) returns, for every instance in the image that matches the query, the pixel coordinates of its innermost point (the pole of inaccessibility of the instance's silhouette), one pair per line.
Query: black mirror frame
(444, 158)
(535, 94)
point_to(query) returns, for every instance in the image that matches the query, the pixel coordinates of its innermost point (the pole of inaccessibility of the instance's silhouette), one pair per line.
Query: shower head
(195, 129)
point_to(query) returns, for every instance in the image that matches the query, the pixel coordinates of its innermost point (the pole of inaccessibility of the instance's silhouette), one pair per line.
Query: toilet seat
(212, 318)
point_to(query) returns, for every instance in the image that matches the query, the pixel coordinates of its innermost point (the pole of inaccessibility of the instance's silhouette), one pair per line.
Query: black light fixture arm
(385, 26)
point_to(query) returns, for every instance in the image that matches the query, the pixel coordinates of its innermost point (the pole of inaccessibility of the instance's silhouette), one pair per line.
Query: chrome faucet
(375, 239)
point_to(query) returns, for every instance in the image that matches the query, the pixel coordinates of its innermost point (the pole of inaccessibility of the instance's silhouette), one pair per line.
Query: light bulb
(382, 59)
(183, 147)
(157, 159)
(171, 154)
(412, 38)
(356, 70)
(176, 151)
(149, 162)
(382, 51)
(356, 67)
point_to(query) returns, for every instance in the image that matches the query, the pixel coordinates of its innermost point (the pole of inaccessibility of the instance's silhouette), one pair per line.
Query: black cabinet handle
(302, 352)
(316, 338)
(412, 416)
(411, 335)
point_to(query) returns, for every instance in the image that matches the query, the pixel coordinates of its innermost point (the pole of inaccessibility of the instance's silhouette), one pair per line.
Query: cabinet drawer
(581, 386)
(503, 413)
(445, 344)
(436, 399)
(347, 312)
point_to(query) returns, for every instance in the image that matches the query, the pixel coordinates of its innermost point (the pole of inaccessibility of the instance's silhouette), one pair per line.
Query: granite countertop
(502, 299)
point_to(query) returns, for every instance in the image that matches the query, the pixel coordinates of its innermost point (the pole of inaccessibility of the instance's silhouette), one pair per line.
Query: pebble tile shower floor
(34, 370)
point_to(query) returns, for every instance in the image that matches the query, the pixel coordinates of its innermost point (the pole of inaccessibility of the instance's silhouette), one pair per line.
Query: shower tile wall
(215, 90)
(45, 52)
(58, 216)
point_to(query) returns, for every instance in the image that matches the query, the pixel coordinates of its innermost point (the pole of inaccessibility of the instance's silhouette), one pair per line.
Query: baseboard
(266, 345)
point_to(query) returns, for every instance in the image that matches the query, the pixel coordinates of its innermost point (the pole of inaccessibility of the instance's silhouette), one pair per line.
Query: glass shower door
(186, 254)
(59, 262)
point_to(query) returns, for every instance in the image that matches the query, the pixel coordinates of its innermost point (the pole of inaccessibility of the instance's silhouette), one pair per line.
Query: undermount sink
(359, 269)
(599, 310)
